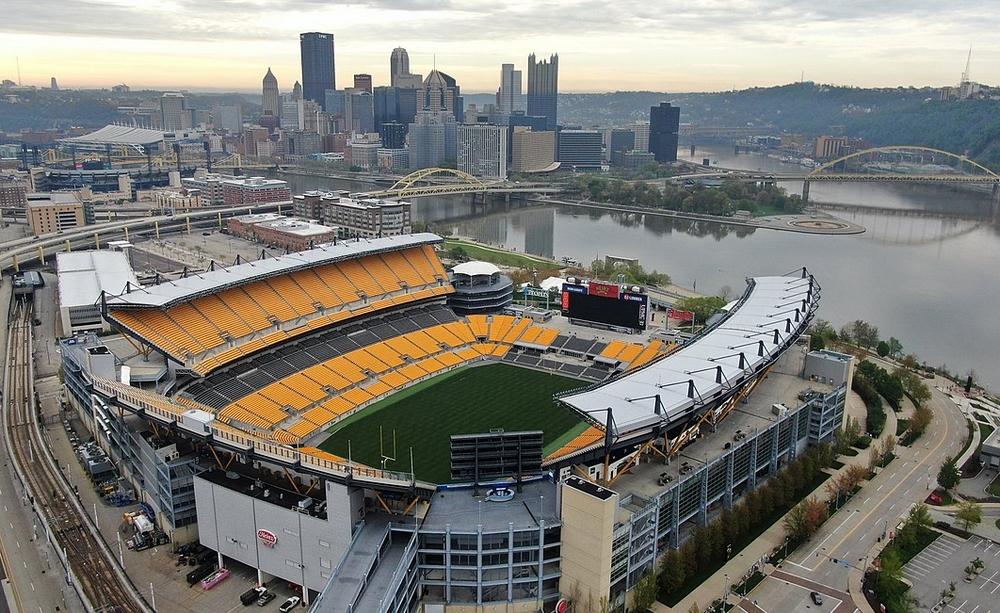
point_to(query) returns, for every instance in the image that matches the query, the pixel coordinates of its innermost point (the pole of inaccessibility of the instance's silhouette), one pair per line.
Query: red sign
(680, 314)
(267, 538)
(562, 606)
(605, 290)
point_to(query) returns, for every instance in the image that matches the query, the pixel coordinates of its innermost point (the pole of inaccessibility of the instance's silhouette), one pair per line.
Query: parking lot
(943, 562)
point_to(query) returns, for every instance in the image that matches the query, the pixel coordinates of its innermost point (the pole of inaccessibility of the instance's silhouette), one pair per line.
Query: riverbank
(806, 223)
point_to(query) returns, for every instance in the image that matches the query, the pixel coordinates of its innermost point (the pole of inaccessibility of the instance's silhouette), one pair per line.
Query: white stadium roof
(117, 135)
(194, 285)
(475, 269)
(772, 313)
(83, 275)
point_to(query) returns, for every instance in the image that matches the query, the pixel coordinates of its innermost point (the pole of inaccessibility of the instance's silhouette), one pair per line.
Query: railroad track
(92, 568)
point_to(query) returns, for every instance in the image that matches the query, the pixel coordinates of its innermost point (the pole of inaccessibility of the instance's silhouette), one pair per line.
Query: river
(930, 282)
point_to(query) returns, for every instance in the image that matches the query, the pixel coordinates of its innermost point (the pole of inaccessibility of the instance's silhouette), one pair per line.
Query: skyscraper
(172, 112)
(318, 71)
(509, 94)
(664, 123)
(543, 88)
(297, 91)
(399, 64)
(439, 93)
(363, 81)
(272, 97)
(482, 150)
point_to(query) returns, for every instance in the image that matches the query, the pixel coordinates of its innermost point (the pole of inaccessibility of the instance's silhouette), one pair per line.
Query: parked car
(289, 604)
(265, 598)
(817, 598)
(250, 596)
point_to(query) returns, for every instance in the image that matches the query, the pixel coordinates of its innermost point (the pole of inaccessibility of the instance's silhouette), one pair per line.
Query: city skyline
(180, 45)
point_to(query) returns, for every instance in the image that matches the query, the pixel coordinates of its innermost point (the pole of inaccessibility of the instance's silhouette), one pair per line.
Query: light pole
(726, 597)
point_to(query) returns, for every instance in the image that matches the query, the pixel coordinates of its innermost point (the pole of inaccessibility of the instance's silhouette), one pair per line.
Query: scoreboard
(605, 303)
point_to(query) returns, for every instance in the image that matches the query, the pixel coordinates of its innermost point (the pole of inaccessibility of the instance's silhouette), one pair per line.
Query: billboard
(601, 305)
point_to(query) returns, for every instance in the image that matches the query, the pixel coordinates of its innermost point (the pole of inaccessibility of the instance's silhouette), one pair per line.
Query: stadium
(323, 397)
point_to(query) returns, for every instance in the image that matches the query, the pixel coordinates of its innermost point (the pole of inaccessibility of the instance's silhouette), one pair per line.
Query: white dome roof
(475, 269)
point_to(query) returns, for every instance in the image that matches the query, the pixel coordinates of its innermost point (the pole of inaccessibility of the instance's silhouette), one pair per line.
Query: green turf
(464, 401)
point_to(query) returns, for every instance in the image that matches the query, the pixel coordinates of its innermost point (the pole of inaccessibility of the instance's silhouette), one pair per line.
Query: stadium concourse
(239, 375)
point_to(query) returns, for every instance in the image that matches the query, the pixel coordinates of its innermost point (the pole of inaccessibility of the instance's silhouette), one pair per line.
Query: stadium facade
(216, 398)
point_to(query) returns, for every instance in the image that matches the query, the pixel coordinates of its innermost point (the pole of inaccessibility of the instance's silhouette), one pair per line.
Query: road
(91, 567)
(839, 552)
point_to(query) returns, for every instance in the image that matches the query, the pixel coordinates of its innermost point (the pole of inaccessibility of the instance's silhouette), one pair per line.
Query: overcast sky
(603, 45)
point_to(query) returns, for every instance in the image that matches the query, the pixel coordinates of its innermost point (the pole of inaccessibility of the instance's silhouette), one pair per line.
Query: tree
(694, 608)
(948, 477)
(895, 347)
(645, 592)
(672, 573)
(864, 333)
(920, 517)
(703, 307)
(882, 349)
(804, 519)
(969, 514)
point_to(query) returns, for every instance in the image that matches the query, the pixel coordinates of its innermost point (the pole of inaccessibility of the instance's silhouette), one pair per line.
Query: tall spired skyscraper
(399, 65)
(272, 97)
(543, 88)
(318, 71)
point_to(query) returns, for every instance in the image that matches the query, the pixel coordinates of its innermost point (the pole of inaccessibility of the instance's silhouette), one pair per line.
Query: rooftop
(298, 227)
(258, 217)
(83, 275)
(464, 512)
(782, 386)
(772, 312)
(255, 182)
(188, 287)
(51, 198)
(118, 135)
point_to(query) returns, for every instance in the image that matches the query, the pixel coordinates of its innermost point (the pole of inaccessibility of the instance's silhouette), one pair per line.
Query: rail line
(102, 586)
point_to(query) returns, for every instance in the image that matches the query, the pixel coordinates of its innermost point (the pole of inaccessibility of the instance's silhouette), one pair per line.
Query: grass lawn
(464, 401)
(993, 489)
(497, 256)
(901, 426)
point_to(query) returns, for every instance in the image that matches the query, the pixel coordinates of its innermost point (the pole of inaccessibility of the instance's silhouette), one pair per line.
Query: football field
(465, 401)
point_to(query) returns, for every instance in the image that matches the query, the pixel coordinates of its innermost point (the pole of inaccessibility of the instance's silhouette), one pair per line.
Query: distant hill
(897, 116)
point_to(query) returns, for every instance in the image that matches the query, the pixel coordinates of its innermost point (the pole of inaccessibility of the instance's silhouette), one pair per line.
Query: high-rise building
(363, 81)
(360, 111)
(543, 88)
(439, 93)
(399, 64)
(432, 140)
(482, 150)
(619, 140)
(641, 129)
(392, 134)
(386, 105)
(53, 85)
(580, 149)
(318, 67)
(297, 91)
(172, 112)
(272, 96)
(399, 70)
(532, 151)
(664, 124)
(228, 117)
(509, 94)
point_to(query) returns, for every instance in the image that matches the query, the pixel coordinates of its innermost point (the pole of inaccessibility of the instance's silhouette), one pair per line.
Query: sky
(603, 45)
